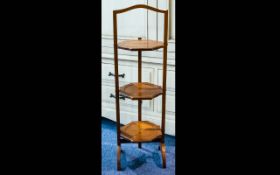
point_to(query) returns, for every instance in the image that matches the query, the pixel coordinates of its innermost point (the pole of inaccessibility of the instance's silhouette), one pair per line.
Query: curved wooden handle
(137, 7)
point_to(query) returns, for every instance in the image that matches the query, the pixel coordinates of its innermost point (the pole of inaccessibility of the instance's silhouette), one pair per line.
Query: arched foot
(119, 158)
(163, 150)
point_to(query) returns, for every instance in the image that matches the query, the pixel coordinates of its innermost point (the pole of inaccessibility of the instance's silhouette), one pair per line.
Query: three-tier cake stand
(140, 131)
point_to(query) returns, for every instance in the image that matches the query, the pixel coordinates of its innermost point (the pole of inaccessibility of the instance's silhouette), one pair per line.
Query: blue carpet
(134, 161)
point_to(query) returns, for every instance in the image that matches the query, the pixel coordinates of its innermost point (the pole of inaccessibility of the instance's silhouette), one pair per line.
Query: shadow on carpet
(134, 161)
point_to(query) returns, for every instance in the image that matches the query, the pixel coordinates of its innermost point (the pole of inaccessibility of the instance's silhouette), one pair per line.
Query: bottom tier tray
(141, 131)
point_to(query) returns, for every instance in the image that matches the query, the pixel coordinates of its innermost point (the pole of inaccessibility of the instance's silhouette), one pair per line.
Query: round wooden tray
(145, 45)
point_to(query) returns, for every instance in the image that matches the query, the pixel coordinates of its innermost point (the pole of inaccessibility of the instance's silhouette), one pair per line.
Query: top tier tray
(145, 45)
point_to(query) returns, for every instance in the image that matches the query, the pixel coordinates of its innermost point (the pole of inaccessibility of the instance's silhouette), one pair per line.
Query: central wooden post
(139, 81)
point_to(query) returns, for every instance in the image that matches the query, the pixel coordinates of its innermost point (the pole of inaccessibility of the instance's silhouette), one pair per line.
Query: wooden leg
(139, 145)
(163, 150)
(119, 158)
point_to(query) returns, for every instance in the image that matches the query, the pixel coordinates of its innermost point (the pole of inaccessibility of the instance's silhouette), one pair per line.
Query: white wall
(172, 20)
(134, 23)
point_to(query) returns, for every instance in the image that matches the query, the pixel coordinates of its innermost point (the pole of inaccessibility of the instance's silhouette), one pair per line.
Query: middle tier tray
(145, 45)
(141, 91)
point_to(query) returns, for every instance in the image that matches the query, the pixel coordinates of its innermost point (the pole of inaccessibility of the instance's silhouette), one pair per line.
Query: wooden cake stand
(140, 131)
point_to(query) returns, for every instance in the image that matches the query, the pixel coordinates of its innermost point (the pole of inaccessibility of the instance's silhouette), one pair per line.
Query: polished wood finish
(141, 131)
(140, 6)
(117, 90)
(163, 154)
(143, 91)
(124, 140)
(139, 81)
(119, 157)
(164, 75)
(145, 45)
